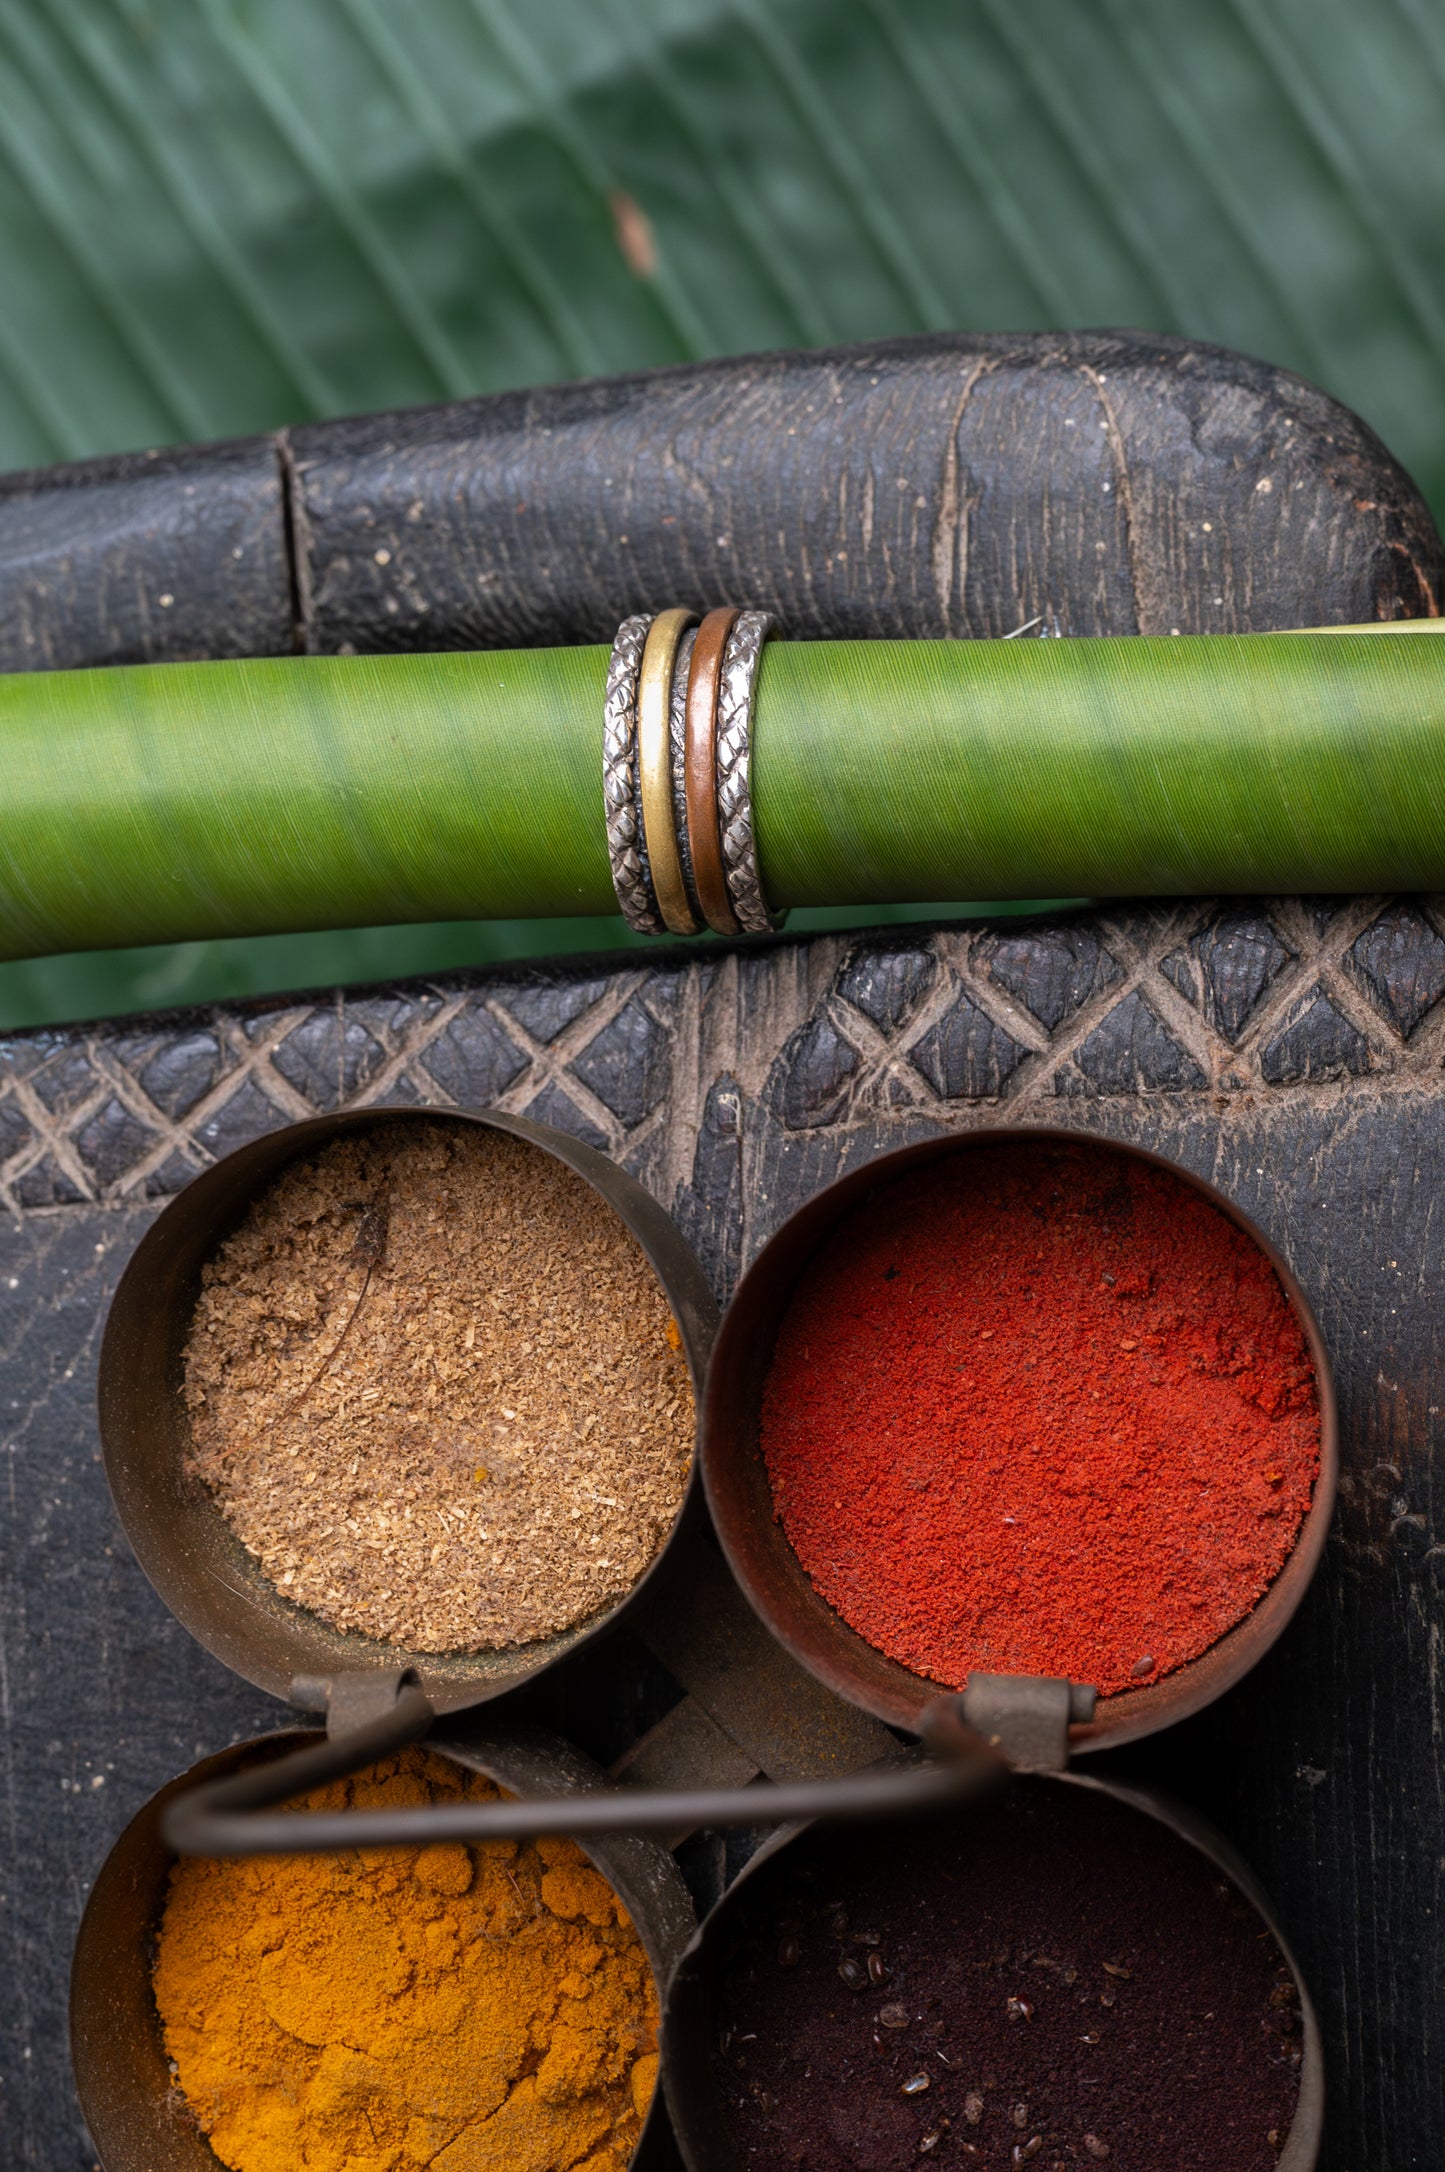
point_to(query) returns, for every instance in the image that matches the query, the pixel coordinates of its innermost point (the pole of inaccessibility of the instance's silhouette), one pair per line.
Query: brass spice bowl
(690, 2029)
(202, 1572)
(740, 1497)
(135, 2116)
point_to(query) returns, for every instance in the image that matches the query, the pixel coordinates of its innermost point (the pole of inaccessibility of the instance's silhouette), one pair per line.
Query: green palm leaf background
(221, 215)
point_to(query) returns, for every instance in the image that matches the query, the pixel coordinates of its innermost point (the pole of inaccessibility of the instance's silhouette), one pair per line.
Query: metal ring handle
(229, 1817)
(218, 1818)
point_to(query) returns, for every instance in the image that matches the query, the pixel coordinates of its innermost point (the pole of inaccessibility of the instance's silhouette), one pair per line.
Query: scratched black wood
(955, 485)
(147, 558)
(1291, 1051)
(1110, 483)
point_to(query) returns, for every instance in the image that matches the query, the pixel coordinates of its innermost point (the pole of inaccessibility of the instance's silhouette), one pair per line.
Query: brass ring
(654, 765)
(704, 834)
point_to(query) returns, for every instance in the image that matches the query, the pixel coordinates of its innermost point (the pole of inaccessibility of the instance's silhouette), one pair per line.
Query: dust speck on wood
(435, 1388)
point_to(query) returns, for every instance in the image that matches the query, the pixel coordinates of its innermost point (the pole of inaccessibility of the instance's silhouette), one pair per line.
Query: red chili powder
(1041, 1409)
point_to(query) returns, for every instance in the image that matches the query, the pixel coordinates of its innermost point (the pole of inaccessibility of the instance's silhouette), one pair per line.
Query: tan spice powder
(435, 1388)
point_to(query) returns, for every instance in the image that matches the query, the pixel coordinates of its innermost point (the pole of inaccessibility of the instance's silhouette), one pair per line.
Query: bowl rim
(692, 2098)
(740, 1500)
(198, 1566)
(127, 2097)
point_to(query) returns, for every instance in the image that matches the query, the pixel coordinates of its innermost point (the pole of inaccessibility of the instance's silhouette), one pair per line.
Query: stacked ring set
(677, 772)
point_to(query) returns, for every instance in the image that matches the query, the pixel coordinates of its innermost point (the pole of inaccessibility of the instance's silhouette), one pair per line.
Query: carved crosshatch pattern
(1291, 1049)
(675, 1065)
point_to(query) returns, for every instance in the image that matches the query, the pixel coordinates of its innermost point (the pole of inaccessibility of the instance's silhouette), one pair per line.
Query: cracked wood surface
(957, 484)
(1108, 483)
(1290, 1049)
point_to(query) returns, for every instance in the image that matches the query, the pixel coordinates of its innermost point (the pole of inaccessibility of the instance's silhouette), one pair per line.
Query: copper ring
(654, 768)
(704, 833)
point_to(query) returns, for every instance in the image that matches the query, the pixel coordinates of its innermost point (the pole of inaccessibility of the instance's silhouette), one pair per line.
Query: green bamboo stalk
(168, 803)
(1101, 768)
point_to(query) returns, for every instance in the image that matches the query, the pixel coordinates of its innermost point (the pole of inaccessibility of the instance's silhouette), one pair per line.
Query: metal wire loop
(240, 1815)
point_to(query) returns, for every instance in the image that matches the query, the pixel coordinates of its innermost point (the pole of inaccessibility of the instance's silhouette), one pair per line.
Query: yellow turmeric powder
(483, 2009)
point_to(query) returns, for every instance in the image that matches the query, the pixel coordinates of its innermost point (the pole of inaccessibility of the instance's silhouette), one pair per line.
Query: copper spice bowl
(202, 1572)
(136, 2117)
(690, 2033)
(205, 1577)
(740, 1496)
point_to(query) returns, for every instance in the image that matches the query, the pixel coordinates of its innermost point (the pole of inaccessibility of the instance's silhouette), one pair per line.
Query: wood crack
(950, 527)
(1147, 619)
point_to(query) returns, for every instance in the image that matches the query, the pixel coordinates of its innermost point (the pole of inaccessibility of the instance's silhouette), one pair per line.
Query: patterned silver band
(677, 744)
(626, 848)
(734, 772)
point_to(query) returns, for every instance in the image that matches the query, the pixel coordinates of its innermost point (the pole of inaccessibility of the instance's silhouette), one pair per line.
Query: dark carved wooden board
(960, 483)
(1291, 1050)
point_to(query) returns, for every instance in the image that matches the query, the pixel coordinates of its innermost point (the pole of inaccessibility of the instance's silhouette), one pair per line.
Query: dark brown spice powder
(436, 1390)
(1070, 1984)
